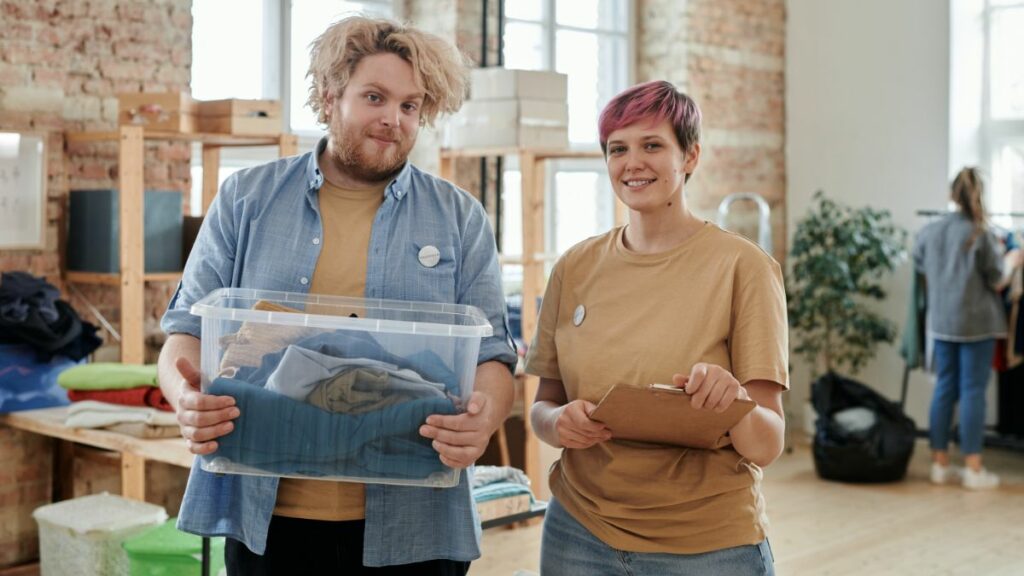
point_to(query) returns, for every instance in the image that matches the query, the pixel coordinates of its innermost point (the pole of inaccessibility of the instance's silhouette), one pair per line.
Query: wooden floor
(827, 529)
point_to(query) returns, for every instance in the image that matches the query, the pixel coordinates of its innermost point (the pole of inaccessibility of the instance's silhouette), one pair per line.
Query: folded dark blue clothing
(282, 436)
(357, 344)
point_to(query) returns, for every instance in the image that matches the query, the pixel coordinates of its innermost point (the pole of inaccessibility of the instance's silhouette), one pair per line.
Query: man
(352, 218)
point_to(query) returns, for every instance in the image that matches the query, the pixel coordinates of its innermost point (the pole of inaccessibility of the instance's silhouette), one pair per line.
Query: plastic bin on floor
(336, 388)
(83, 536)
(167, 551)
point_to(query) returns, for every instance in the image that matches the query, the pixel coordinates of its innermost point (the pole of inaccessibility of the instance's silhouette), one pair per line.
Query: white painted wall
(867, 106)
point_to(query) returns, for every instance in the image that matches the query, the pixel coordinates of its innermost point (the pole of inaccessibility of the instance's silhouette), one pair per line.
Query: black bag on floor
(878, 452)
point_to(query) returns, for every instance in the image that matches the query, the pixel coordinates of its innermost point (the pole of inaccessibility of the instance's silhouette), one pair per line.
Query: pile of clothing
(325, 403)
(501, 491)
(121, 398)
(40, 336)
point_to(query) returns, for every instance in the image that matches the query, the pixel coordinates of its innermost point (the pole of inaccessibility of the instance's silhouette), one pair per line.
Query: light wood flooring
(828, 529)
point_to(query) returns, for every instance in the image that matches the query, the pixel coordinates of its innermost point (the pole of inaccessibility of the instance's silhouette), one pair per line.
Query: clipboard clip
(667, 388)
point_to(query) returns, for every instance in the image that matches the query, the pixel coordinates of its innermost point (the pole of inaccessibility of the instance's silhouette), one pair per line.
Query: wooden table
(134, 451)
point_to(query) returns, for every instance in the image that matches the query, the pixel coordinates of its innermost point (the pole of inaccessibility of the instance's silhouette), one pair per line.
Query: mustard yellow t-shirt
(715, 298)
(347, 218)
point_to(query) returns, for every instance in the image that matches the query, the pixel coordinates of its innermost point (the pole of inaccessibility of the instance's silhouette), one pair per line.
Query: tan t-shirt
(715, 298)
(347, 218)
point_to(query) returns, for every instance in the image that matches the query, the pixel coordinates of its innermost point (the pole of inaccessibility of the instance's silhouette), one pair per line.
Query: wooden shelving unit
(132, 278)
(532, 165)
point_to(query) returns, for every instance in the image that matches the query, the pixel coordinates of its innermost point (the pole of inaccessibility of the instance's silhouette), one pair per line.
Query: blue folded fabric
(282, 436)
(500, 490)
(356, 344)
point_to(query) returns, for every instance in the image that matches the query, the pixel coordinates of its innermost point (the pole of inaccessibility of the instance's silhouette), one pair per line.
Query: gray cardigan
(962, 305)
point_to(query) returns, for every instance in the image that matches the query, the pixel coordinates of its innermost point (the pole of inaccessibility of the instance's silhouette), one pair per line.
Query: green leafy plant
(839, 257)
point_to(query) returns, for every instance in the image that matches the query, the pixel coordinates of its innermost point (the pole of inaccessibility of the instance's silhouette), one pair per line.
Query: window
(266, 57)
(1003, 124)
(565, 35)
(987, 97)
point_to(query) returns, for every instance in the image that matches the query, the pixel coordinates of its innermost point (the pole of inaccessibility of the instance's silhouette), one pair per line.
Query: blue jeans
(569, 549)
(963, 370)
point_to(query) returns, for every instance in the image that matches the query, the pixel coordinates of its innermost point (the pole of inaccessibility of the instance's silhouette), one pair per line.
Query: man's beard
(354, 162)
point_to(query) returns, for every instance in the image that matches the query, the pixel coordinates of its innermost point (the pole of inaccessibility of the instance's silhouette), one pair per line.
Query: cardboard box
(503, 84)
(509, 123)
(170, 111)
(241, 117)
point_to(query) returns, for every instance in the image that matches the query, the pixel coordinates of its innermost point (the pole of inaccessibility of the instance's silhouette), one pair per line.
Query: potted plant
(839, 257)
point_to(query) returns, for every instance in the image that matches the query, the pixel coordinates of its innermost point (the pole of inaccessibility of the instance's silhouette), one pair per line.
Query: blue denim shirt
(263, 230)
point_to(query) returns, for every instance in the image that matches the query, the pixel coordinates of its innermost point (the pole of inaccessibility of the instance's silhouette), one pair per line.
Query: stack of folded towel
(501, 491)
(122, 398)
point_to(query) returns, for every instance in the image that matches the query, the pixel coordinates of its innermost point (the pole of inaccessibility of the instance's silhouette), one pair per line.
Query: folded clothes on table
(108, 376)
(93, 414)
(140, 396)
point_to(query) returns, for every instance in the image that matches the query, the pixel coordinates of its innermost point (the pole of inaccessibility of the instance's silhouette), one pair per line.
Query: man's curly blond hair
(438, 66)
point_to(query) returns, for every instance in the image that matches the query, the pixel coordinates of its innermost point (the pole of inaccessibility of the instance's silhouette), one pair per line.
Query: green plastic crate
(167, 551)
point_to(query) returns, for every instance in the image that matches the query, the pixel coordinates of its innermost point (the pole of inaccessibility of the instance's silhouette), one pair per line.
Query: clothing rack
(944, 212)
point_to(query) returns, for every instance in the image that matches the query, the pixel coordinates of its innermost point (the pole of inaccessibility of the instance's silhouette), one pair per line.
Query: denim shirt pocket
(435, 283)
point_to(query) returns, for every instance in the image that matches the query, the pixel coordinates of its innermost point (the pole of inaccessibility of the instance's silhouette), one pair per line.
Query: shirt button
(304, 280)
(316, 241)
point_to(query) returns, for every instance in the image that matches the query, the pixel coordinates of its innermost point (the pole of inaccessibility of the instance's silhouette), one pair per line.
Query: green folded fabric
(107, 376)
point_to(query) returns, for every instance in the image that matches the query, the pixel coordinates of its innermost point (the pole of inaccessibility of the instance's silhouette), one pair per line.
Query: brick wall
(61, 65)
(729, 55)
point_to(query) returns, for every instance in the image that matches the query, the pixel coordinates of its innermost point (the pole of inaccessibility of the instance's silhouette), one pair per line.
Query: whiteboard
(22, 190)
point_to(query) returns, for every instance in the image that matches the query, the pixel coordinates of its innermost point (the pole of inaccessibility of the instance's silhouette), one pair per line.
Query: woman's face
(646, 165)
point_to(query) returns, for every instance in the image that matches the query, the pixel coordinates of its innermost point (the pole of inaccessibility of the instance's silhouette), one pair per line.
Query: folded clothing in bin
(280, 436)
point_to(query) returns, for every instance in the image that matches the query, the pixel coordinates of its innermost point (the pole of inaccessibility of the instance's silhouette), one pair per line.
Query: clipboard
(662, 414)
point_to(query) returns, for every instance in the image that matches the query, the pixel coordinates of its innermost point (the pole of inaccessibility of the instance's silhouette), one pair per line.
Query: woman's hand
(711, 387)
(575, 428)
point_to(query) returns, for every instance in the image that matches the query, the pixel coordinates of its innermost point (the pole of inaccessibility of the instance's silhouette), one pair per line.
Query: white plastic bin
(83, 536)
(336, 388)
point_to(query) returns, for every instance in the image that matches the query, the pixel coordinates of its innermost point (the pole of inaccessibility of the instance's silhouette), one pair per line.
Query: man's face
(374, 122)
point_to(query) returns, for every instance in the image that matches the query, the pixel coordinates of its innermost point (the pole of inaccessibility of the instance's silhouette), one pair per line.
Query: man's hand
(462, 438)
(575, 428)
(711, 387)
(202, 417)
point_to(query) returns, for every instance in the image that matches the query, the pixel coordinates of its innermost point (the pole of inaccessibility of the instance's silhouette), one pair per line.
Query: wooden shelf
(540, 153)
(114, 279)
(219, 140)
(532, 163)
(130, 186)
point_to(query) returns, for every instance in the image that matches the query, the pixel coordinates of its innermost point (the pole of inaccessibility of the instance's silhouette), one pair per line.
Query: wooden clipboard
(662, 414)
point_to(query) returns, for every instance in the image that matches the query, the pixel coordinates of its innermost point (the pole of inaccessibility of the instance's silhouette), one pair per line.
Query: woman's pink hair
(653, 101)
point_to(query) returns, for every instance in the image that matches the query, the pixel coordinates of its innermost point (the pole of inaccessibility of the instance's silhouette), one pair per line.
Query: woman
(962, 264)
(666, 298)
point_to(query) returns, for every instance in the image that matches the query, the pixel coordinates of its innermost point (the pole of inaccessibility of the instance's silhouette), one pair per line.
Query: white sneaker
(945, 474)
(980, 480)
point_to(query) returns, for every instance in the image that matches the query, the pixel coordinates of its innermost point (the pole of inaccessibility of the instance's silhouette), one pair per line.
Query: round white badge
(579, 315)
(429, 256)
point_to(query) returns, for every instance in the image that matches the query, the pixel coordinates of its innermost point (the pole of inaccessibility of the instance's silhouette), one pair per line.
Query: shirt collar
(398, 187)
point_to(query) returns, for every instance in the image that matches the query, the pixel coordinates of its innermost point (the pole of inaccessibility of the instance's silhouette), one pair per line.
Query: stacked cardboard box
(512, 109)
(178, 112)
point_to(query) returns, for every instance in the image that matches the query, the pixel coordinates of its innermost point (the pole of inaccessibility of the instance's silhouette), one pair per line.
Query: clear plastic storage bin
(82, 537)
(336, 388)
